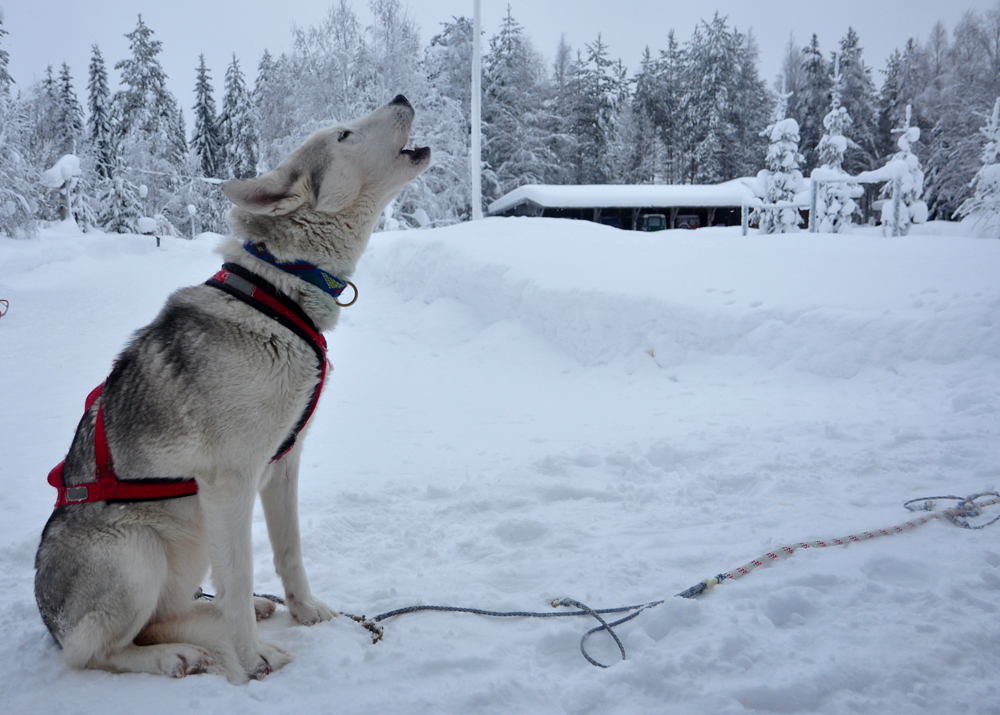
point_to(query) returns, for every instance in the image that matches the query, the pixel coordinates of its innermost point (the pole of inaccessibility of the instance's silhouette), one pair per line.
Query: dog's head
(364, 163)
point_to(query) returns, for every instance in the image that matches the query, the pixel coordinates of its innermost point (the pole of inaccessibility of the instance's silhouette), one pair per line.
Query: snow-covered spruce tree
(237, 135)
(515, 151)
(19, 180)
(810, 100)
(274, 117)
(559, 100)
(69, 117)
(963, 81)
(99, 125)
(835, 203)
(726, 104)
(119, 202)
(782, 177)
(904, 166)
(905, 81)
(647, 151)
(205, 142)
(5, 79)
(984, 205)
(151, 141)
(447, 185)
(599, 95)
(858, 97)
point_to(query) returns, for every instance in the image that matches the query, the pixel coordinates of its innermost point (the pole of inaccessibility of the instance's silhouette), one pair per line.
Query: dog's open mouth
(417, 154)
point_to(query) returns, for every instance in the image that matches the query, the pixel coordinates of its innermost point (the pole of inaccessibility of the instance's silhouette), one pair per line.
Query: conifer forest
(695, 111)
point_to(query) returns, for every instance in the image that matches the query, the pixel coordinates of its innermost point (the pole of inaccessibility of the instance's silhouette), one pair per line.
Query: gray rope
(958, 515)
(568, 602)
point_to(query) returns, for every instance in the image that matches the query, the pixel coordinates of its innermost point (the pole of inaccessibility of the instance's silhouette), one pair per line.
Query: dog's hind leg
(279, 497)
(116, 593)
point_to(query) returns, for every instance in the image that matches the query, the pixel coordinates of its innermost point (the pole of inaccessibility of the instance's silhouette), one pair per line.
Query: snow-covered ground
(525, 409)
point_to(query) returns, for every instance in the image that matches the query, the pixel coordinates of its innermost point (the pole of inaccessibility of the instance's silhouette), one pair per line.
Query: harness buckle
(77, 494)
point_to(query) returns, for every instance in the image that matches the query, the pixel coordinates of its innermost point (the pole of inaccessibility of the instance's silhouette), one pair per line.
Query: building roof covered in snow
(727, 194)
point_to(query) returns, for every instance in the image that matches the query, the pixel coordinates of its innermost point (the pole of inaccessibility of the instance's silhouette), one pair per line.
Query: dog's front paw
(309, 611)
(267, 659)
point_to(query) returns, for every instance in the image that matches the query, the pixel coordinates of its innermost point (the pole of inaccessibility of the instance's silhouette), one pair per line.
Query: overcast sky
(43, 32)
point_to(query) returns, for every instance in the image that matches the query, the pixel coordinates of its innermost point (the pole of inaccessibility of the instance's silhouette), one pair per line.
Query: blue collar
(326, 282)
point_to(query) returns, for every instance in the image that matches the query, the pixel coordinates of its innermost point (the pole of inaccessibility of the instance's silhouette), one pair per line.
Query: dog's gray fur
(209, 390)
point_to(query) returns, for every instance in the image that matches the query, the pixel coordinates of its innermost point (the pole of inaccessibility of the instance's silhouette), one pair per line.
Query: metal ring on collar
(353, 300)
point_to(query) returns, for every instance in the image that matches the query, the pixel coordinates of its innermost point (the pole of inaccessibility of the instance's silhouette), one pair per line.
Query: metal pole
(813, 224)
(476, 153)
(897, 198)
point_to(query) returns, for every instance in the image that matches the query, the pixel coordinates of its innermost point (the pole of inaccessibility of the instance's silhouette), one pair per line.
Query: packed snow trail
(528, 409)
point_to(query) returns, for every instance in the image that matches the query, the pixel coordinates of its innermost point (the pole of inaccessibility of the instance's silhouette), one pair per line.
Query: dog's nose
(400, 99)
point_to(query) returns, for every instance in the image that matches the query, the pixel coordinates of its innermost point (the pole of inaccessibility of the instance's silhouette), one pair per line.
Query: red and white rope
(967, 507)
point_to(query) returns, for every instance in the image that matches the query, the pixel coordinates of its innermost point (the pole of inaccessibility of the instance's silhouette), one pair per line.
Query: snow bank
(829, 305)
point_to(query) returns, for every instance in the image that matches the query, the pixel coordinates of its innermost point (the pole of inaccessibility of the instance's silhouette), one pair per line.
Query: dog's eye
(343, 135)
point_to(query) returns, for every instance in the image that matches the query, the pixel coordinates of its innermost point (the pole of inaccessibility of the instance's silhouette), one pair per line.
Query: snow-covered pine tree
(119, 203)
(447, 61)
(674, 134)
(69, 116)
(984, 205)
(835, 203)
(599, 94)
(514, 148)
(205, 142)
(726, 104)
(858, 97)
(560, 101)
(237, 135)
(274, 118)
(905, 166)
(18, 178)
(99, 121)
(151, 141)
(446, 188)
(810, 100)
(143, 102)
(5, 79)
(646, 155)
(783, 176)
(964, 79)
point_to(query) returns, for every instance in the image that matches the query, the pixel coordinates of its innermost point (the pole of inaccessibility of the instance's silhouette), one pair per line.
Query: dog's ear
(275, 193)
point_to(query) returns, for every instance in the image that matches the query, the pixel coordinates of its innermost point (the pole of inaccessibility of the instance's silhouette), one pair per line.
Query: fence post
(813, 203)
(897, 198)
(744, 219)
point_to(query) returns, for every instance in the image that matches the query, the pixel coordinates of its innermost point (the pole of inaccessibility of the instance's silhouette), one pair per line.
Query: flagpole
(476, 152)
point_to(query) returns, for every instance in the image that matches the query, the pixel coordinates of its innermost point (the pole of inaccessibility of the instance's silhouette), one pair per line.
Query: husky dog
(209, 391)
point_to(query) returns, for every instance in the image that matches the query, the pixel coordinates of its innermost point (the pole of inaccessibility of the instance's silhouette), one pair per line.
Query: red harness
(256, 292)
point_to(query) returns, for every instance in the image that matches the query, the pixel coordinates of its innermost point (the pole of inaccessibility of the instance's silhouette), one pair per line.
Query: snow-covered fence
(758, 204)
(866, 177)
